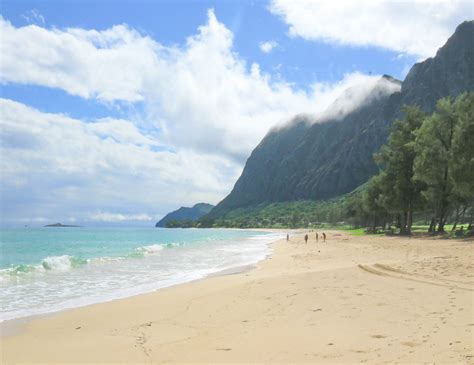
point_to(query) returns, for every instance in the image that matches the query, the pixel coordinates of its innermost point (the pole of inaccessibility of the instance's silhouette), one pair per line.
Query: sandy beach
(372, 299)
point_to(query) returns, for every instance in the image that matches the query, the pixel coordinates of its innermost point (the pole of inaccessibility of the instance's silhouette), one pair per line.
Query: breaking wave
(67, 262)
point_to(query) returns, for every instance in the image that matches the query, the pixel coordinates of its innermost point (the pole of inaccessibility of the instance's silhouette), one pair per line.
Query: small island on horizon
(61, 225)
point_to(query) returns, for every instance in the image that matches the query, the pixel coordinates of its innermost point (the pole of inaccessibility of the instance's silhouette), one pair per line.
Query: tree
(463, 148)
(463, 152)
(355, 210)
(295, 219)
(374, 200)
(401, 191)
(435, 159)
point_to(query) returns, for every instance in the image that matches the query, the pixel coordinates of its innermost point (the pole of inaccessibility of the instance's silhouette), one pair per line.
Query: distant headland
(185, 217)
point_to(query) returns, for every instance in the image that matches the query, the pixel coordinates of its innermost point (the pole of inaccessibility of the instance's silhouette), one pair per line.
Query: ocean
(44, 270)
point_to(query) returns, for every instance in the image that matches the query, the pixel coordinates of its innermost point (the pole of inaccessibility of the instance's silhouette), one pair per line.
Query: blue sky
(132, 108)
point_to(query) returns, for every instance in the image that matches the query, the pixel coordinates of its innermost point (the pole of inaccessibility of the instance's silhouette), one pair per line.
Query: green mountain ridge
(305, 160)
(186, 214)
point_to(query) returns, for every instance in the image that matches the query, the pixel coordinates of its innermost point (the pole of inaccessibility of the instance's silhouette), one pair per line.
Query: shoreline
(351, 299)
(13, 326)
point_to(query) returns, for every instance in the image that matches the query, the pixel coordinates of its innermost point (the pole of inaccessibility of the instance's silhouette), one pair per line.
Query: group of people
(306, 237)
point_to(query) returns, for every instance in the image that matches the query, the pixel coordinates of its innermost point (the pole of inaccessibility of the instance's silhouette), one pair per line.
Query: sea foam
(64, 262)
(151, 249)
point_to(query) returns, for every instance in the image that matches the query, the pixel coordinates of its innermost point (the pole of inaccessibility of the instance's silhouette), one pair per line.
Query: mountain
(328, 156)
(185, 213)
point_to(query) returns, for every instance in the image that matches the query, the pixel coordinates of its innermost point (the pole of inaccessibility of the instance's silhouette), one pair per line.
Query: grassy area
(361, 232)
(357, 232)
(447, 227)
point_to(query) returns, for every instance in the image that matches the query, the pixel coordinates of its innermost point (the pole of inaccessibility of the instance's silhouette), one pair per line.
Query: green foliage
(185, 223)
(445, 156)
(294, 214)
(395, 190)
(463, 148)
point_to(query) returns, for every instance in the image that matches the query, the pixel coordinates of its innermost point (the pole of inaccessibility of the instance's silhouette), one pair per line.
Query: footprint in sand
(360, 351)
(410, 344)
(378, 336)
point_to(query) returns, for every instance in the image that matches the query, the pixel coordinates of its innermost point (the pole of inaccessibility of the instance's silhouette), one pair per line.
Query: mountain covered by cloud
(307, 160)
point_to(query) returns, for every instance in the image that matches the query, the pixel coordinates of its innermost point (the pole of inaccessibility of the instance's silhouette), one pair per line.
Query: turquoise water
(49, 269)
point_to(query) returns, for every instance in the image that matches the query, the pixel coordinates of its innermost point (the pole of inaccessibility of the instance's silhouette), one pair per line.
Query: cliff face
(185, 213)
(307, 160)
(449, 73)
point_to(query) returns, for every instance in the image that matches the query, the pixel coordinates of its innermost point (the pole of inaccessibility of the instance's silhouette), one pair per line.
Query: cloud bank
(58, 167)
(414, 27)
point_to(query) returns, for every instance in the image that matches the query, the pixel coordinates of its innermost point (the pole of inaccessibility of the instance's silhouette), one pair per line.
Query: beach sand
(352, 299)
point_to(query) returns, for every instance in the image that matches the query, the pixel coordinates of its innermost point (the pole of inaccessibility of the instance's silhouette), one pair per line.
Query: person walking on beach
(287, 237)
(324, 237)
(317, 237)
(306, 238)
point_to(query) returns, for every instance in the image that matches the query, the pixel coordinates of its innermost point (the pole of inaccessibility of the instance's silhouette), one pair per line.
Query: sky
(121, 111)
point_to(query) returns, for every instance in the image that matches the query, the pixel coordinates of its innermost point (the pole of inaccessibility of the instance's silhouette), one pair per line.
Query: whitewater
(44, 270)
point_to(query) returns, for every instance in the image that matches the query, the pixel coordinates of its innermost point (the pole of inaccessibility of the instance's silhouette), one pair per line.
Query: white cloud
(267, 47)
(203, 110)
(366, 90)
(33, 16)
(117, 217)
(107, 65)
(414, 27)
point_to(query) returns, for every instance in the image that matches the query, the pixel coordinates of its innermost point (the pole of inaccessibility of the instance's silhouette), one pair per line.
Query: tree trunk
(409, 222)
(463, 214)
(456, 219)
(442, 222)
(432, 225)
(403, 228)
(444, 199)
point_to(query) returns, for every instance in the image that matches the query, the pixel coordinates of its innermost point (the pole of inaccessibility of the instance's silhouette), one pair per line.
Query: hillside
(315, 159)
(186, 214)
